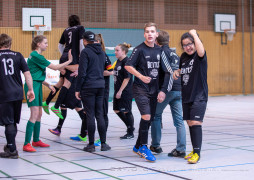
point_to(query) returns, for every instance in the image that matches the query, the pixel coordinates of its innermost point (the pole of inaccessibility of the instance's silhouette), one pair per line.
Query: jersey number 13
(9, 63)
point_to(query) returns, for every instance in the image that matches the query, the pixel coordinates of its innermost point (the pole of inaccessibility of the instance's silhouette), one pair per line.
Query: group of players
(85, 78)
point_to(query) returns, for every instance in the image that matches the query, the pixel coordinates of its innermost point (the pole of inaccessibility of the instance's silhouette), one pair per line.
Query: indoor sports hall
(226, 31)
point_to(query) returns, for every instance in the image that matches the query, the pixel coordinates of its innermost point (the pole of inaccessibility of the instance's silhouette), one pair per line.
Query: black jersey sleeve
(108, 65)
(168, 77)
(62, 39)
(134, 58)
(126, 74)
(81, 32)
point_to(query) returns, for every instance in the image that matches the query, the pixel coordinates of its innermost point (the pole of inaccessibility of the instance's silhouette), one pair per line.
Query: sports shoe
(194, 159)
(28, 148)
(39, 144)
(57, 112)
(45, 107)
(89, 148)
(8, 154)
(156, 149)
(135, 150)
(79, 138)
(175, 153)
(127, 136)
(188, 156)
(105, 147)
(55, 131)
(97, 142)
(146, 154)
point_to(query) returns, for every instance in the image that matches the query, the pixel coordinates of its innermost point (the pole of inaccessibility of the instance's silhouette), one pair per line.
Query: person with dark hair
(37, 65)
(90, 89)
(193, 71)
(71, 39)
(146, 63)
(174, 100)
(123, 80)
(11, 93)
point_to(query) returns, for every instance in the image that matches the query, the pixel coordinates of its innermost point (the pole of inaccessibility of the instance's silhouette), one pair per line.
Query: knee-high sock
(197, 138)
(83, 131)
(143, 132)
(37, 129)
(130, 122)
(51, 95)
(122, 116)
(61, 121)
(191, 136)
(29, 132)
(10, 134)
(61, 97)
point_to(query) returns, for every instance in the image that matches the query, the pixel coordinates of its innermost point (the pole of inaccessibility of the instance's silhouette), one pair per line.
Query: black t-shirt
(193, 78)
(120, 73)
(107, 78)
(11, 63)
(146, 60)
(71, 38)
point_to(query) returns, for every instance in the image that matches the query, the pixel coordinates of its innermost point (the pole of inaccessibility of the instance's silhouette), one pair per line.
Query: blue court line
(229, 134)
(183, 170)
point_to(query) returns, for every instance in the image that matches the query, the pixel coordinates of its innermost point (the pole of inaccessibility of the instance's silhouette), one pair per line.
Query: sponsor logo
(197, 116)
(147, 57)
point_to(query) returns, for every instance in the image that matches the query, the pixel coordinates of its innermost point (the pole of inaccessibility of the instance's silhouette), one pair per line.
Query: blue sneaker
(135, 150)
(146, 154)
(79, 138)
(97, 142)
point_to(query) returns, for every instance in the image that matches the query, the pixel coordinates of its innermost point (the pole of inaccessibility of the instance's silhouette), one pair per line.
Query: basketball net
(230, 34)
(40, 29)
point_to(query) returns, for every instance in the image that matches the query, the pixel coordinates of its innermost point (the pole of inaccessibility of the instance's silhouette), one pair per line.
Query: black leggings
(92, 99)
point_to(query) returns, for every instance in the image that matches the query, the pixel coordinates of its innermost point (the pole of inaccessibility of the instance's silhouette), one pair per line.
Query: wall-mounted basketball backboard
(36, 16)
(224, 21)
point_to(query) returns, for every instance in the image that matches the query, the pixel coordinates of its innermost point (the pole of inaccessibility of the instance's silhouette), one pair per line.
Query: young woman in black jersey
(193, 71)
(71, 39)
(122, 103)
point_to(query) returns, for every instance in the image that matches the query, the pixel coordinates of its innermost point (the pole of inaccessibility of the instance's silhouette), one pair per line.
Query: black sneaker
(8, 154)
(175, 153)
(89, 148)
(105, 147)
(156, 149)
(127, 136)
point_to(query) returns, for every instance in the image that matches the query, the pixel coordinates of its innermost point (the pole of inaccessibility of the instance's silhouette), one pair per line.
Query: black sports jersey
(120, 73)
(146, 60)
(71, 39)
(11, 63)
(107, 66)
(174, 62)
(193, 77)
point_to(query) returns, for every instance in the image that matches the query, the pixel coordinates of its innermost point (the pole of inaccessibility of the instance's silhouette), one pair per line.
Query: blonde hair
(98, 37)
(150, 24)
(125, 47)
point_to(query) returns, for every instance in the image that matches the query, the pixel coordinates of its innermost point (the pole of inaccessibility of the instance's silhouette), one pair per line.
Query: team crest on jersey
(186, 78)
(119, 68)
(158, 57)
(154, 73)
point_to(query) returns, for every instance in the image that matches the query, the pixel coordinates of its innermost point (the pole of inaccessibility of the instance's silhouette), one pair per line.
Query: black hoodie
(91, 67)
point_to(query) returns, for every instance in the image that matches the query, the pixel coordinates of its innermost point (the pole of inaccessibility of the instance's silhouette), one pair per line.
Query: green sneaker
(57, 112)
(79, 138)
(45, 107)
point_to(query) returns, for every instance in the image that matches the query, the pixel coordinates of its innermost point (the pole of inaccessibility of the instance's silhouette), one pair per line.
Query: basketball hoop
(40, 29)
(230, 33)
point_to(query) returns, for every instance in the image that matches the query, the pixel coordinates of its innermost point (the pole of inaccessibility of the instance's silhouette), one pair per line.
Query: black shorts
(194, 110)
(146, 104)
(123, 105)
(67, 74)
(71, 101)
(10, 112)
